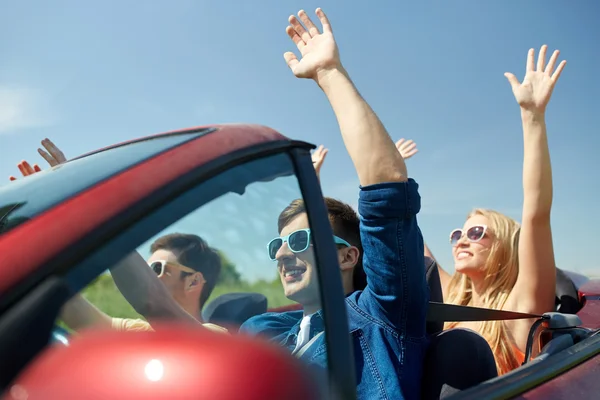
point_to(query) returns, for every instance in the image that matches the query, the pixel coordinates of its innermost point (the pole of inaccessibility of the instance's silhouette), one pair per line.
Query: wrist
(328, 77)
(531, 116)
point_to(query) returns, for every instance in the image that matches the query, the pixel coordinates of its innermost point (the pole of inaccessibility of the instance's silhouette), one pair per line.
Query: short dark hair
(344, 223)
(192, 251)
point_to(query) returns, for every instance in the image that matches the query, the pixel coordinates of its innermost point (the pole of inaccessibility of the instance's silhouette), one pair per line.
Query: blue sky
(89, 75)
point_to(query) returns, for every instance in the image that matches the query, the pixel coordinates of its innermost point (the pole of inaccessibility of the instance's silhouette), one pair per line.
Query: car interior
(440, 379)
(559, 330)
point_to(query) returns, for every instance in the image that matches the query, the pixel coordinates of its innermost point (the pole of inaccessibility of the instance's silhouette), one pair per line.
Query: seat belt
(303, 349)
(442, 312)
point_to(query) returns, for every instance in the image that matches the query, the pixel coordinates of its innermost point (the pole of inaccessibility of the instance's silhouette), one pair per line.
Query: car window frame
(118, 231)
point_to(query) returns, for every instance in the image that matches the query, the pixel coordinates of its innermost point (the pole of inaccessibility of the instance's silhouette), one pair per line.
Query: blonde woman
(500, 264)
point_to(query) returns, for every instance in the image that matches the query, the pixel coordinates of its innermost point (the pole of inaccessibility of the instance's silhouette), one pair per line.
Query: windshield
(25, 198)
(244, 249)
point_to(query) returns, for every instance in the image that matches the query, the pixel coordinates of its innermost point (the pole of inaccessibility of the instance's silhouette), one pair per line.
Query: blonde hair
(501, 270)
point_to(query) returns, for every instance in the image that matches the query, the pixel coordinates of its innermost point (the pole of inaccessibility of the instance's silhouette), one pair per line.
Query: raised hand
(407, 148)
(318, 50)
(318, 157)
(534, 93)
(54, 156)
(26, 169)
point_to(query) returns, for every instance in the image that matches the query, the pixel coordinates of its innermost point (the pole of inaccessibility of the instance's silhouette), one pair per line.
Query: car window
(224, 261)
(23, 199)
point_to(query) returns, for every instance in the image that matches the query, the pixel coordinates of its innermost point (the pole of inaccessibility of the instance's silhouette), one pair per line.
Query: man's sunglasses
(298, 241)
(159, 267)
(474, 234)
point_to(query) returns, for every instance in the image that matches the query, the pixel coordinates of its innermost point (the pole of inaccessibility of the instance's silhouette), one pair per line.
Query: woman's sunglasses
(474, 234)
(298, 241)
(159, 267)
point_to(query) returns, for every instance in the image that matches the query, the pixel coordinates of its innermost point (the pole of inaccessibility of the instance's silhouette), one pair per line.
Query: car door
(232, 201)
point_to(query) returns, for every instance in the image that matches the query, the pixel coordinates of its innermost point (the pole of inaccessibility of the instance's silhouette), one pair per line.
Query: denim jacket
(387, 319)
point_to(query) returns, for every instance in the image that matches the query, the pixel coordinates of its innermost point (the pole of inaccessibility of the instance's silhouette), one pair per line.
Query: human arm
(388, 203)
(144, 291)
(534, 290)
(78, 313)
(371, 149)
(393, 258)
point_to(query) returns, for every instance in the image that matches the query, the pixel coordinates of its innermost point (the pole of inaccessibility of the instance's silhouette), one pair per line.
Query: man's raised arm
(373, 152)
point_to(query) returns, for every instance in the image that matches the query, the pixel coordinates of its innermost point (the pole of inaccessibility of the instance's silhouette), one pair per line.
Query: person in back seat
(185, 265)
(503, 265)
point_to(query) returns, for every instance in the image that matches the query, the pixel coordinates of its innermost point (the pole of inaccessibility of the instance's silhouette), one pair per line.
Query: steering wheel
(60, 335)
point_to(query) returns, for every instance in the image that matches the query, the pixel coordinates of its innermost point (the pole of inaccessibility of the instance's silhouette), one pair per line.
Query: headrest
(567, 296)
(233, 309)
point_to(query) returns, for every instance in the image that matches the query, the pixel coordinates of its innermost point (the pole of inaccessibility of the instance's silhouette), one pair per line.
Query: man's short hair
(192, 251)
(344, 223)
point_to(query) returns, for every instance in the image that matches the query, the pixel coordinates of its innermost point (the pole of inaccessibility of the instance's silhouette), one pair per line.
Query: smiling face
(470, 256)
(297, 270)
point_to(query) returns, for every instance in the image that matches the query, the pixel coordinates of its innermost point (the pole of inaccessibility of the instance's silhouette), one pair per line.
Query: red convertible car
(63, 228)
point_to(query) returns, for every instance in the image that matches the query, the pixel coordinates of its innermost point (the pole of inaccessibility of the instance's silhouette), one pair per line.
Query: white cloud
(22, 108)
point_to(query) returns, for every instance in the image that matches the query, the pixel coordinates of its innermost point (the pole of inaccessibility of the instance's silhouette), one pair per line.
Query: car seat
(456, 359)
(231, 310)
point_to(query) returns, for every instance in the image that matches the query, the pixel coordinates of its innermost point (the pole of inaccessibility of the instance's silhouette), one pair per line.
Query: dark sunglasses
(298, 241)
(474, 234)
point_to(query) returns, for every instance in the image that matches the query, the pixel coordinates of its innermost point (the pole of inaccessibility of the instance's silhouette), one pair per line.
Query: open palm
(318, 50)
(534, 93)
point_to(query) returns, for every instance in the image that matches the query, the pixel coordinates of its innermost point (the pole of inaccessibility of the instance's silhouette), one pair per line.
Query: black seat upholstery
(456, 359)
(567, 296)
(233, 309)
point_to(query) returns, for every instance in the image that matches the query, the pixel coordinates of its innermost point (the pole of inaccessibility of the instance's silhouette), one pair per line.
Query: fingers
(26, 168)
(295, 37)
(49, 159)
(541, 64)
(318, 150)
(291, 60)
(559, 70)
(324, 20)
(303, 33)
(411, 153)
(54, 151)
(530, 62)
(514, 82)
(312, 29)
(406, 148)
(409, 146)
(319, 153)
(552, 62)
